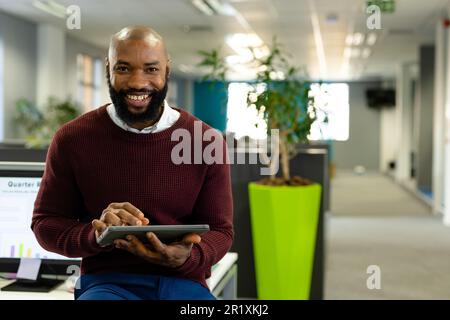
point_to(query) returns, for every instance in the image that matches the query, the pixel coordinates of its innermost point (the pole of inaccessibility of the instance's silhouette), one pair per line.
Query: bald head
(141, 33)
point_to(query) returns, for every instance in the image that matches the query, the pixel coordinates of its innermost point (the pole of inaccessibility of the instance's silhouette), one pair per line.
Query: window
(89, 75)
(242, 119)
(332, 99)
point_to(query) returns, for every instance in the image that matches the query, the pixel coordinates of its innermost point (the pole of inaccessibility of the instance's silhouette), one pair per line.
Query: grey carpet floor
(373, 221)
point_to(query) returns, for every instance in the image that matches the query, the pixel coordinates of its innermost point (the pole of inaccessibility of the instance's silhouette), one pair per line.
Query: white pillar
(403, 122)
(446, 165)
(387, 143)
(440, 71)
(51, 63)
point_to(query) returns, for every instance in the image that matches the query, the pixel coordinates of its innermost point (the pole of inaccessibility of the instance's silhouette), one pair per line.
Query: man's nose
(138, 81)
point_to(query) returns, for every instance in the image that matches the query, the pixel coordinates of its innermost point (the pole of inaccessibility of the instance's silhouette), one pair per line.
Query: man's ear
(107, 68)
(168, 68)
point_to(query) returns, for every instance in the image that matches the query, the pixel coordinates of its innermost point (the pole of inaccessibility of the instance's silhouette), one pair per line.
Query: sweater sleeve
(59, 207)
(214, 206)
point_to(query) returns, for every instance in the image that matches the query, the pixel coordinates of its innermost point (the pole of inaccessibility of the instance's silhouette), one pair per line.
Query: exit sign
(386, 6)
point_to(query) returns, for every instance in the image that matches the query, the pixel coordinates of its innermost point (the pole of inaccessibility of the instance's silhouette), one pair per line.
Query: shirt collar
(168, 117)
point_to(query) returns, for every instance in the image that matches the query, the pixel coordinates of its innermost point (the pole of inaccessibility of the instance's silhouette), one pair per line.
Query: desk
(223, 280)
(60, 293)
(222, 283)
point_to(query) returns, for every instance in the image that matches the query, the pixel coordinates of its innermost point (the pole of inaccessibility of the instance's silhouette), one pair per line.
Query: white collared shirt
(167, 119)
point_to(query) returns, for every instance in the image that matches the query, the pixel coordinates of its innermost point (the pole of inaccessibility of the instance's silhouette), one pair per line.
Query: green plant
(40, 126)
(216, 64)
(285, 102)
(287, 106)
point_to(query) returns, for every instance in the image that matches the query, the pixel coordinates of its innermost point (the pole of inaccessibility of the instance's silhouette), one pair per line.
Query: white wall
(19, 48)
(39, 61)
(404, 127)
(363, 146)
(51, 63)
(387, 138)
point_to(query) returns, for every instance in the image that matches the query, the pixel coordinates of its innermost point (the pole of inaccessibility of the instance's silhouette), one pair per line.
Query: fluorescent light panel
(203, 7)
(224, 9)
(319, 45)
(51, 7)
(212, 7)
(241, 42)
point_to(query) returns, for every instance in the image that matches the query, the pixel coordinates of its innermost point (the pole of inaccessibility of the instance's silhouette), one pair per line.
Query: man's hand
(171, 255)
(119, 214)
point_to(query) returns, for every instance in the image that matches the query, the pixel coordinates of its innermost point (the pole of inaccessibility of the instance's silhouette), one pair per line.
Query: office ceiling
(186, 29)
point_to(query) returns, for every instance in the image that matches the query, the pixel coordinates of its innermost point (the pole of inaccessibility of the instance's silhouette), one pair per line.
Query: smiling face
(137, 72)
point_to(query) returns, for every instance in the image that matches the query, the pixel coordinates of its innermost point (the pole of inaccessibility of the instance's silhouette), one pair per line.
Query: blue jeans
(121, 286)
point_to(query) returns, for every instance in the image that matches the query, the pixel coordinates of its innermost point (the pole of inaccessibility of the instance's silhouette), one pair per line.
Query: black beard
(153, 109)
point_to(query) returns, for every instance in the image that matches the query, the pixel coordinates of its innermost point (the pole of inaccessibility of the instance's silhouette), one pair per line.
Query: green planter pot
(284, 224)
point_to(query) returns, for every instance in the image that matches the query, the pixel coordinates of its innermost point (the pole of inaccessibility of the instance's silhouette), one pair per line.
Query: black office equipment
(380, 98)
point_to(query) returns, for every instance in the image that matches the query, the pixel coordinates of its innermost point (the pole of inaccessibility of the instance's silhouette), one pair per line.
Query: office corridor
(373, 221)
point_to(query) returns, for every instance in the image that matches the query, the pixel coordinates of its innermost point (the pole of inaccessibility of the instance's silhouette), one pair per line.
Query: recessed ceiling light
(366, 53)
(348, 52)
(349, 40)
(356, 53)
(371, 38)
(358, 39)
(244, 40)
(352, 52)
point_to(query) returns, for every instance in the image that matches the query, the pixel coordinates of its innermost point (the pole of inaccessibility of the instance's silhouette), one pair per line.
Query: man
(113, 166)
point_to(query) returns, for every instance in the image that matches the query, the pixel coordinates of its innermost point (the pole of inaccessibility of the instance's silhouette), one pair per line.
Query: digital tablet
(165, 233)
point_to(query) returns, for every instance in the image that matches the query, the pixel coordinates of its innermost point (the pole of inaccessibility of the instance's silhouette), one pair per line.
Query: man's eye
(152, 69)
(121, 69)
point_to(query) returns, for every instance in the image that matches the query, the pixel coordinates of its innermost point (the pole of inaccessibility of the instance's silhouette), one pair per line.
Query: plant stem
(284, 159)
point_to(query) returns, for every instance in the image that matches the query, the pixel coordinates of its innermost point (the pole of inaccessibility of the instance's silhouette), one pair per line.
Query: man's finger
(137, 247)
(130, 208)
(120, 243)
(156, 243)
(99, 225)
(112, 219)
(191, 238)
(127, 217)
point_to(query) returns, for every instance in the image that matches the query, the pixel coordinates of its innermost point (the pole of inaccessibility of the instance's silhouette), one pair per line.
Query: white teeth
(137, 98)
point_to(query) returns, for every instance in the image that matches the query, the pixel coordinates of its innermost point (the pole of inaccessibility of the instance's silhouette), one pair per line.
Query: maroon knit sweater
(92, 162)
